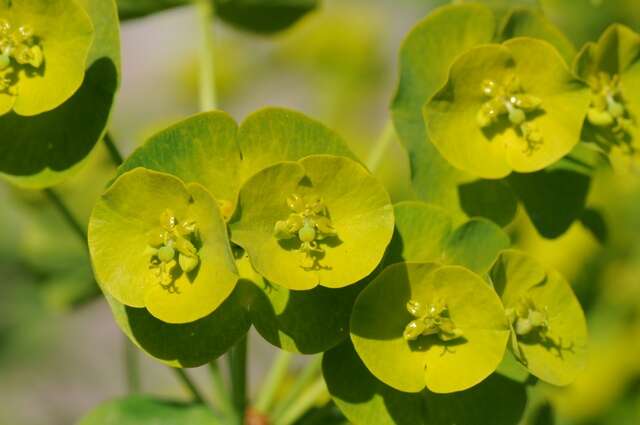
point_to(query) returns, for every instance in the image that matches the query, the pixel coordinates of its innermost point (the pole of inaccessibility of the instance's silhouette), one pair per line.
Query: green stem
(114, 153)
(66, 213)
(303, 403)
(206, 15)
(132, 367)
(238, 367)
(189, 385)
(380, 148)
(306, 376)
(272, 381)
(220, 393)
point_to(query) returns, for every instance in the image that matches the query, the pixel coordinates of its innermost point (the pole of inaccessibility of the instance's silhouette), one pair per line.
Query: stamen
(309, 222)
(509, 98)
(432, 319)
(168, 240)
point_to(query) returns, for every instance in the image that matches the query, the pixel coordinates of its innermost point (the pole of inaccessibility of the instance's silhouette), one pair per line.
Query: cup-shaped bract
(508, 107)
(468, 346)
(425, 57)
(44, 46)
(611, 67)
(324, 220)
(158, 243)
(549, 331)
(425, 233)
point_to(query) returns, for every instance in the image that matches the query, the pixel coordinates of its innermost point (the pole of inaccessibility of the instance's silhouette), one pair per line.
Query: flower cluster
(526, 319)
(510, 99)
(19, 49)
(608, 108)
(432, 319)
(309, 222)
(170, 240)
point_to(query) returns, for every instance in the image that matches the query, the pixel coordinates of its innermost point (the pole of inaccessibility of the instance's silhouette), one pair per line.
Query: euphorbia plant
(425, 309)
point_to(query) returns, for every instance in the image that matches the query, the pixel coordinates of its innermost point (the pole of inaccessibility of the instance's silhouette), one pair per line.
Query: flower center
(608, 109)
(172, 250)
(509, 99)
(20, 49)
(309, 222)
(430, 319)
(526, 319)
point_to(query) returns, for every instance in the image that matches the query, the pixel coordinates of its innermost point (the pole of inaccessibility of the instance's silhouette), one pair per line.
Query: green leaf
(594, 221)
(492, 199)
(530, 22)
(201, 149)
(145, 410)
(130, 9)
(258, 16)
(511, 368)
(47, 148)
(584, 20)
(264, 16)
(380, 317)
(210, 149)
(142, 206)
(612, 68)
(189, 344)
(502, 8)
(353, 202)
(305, 322)
(557, 352)
(474, 244)
(462, 131)
(366, 400)
(425, 58)
(553, 198)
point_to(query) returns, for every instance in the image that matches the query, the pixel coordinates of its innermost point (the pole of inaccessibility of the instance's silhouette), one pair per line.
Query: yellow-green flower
(44, 46)
(158, 243)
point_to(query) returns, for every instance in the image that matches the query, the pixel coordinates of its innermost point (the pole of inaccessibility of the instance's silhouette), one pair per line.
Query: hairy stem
(380, 147)
(273, 381)
(66, 213)
(208, 95)
(306, 376)
(114, 153)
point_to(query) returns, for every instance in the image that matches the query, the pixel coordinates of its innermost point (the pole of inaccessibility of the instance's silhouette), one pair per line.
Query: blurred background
(60, 350)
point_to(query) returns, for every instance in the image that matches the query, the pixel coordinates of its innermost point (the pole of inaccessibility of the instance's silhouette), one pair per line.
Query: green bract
(365, 400)
(425, 58)
(159, 244)
(299, 321)
(45, 149)
(259, 16)
(323, 220)
(611, 67)
(187, 344)
(43, 50)
(549, 332)
(425, 233)
(460, 344)
(211, 149)
(507, 107)
(140, 410)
